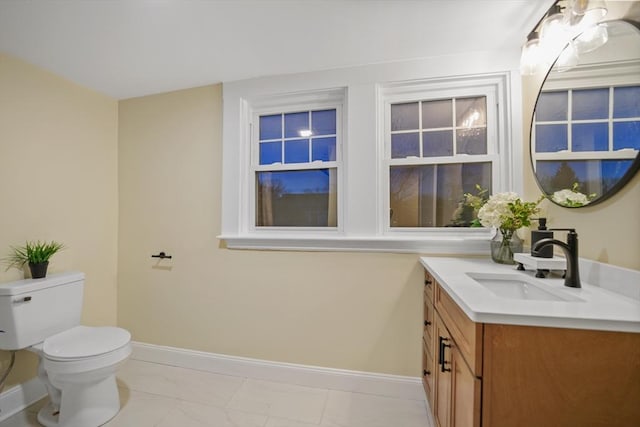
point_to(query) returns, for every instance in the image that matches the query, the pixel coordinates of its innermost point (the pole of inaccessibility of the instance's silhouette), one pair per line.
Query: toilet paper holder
(162, 255)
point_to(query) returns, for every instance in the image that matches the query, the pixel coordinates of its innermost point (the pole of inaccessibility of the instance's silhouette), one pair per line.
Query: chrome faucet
(570, 249)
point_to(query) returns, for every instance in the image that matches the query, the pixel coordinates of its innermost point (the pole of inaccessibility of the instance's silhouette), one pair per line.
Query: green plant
(32, 253)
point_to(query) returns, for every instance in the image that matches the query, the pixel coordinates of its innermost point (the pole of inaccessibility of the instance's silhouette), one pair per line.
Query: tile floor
(166, 396)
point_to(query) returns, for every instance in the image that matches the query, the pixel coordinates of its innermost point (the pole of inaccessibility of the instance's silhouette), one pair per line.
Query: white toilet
(77, 363)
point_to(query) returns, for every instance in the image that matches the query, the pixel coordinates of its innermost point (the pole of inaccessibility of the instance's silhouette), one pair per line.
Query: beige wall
(344, 310)
(610, 231)
(58, 180)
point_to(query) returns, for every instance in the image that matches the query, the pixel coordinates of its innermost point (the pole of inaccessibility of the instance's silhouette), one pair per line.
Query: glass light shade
(553, 28)
(531, 60)
(592, 38)
(582, 14)
(567, 59)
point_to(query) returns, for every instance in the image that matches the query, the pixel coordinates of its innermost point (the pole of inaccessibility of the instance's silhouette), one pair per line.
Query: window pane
(323, 149)
(404, 145)
(294, 123)
(437, 114)
(270, 152)
(296, 151)
(589, 104)
(270, 127)
(431, 195)
(551, 138)
(437, 143)
(552, 106)
(626, 102)
(593, 177)
(471, 141)
(471, 112)
(626, 135)
(323, 122)
(404, 116)
(296, 198)
(590, 137)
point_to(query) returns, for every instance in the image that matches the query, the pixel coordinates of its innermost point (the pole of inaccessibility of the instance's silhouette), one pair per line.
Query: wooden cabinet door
(442, 400)
(465, 393)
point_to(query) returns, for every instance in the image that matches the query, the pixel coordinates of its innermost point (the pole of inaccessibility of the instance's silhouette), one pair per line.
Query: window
(296, 170)
(586, 137)
(437, 149)
(314, 161)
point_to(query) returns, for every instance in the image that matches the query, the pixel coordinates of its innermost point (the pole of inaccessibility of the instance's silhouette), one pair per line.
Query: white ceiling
(128, 48)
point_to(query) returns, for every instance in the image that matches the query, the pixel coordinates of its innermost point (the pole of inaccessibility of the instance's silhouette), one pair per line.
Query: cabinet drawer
(429, 286)
(466, 333)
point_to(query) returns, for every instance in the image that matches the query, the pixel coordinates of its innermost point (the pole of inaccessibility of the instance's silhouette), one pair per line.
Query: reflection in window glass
(551, 138)
(296, 151)
(404, 116)
(626, 135)
(405, 145)
(471, 112)
(437, 143)
(471, 141)
(592, 177)
(324, 149)
(552, 106)
(323, 122)
(431, 195)
(590, 137)
(270, 152)
(626, 102)
(270, 127)
(294, 123)
(437, 114)
(590, 104)
(296, 198)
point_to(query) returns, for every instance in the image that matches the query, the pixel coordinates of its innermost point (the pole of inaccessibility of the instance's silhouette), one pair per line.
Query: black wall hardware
(162, 255)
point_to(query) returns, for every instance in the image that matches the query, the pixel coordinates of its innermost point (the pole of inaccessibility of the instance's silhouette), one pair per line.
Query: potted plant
(36, 254)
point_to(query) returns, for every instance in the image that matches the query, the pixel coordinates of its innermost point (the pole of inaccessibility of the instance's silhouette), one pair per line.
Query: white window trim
(287, 103)
(361, 223)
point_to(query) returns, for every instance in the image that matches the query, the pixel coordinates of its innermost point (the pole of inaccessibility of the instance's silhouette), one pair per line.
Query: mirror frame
(633, 169)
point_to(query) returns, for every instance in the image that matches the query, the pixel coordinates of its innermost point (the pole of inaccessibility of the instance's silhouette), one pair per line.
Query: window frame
(497, 150)
(361, 219)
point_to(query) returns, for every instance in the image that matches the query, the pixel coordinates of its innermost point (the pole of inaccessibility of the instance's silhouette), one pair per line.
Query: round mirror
(585, 132)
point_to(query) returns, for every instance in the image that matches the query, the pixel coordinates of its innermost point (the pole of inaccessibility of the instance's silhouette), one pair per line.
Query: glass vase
(503, 245)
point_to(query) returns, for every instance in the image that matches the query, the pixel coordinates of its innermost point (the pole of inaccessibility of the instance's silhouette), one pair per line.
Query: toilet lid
(84, 341)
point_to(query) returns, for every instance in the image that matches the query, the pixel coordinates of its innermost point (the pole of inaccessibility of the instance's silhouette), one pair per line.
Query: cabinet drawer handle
(427, 323)
(441, 348)
(427, 282)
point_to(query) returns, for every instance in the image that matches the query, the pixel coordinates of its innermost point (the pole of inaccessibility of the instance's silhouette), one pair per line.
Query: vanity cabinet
(498, 375)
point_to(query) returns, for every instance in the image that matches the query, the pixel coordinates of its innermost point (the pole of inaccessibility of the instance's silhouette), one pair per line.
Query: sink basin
(520, 287)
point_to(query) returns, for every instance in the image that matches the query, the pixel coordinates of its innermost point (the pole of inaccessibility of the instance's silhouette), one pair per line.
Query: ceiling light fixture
(564, 21)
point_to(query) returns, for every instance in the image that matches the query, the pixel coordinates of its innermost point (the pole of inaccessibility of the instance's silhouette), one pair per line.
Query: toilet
(76, 363)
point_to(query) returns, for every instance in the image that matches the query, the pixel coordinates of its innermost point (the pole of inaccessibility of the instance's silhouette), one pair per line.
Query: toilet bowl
(77, 363)
(80, 364)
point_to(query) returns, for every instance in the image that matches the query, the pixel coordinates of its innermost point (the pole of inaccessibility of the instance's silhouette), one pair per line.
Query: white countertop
(598, 308)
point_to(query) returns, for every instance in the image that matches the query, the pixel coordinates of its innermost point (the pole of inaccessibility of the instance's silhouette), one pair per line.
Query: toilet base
(83, 405)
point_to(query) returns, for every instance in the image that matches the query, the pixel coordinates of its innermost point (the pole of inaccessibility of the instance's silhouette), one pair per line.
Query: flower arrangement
(572, 197)
(507, 213)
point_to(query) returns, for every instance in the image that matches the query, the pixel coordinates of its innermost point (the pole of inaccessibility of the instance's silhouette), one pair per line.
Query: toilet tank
(34, 309)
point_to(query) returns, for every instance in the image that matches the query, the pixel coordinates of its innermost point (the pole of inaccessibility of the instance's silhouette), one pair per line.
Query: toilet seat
(83, 342)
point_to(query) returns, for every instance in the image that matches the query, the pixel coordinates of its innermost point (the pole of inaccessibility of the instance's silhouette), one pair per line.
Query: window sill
(462, 243)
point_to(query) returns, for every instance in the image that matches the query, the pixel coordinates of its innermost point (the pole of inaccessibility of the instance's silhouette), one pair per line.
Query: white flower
(569, 197)
(496, 208)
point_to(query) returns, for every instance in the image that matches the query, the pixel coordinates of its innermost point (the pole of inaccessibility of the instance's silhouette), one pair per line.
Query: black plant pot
(39, 269)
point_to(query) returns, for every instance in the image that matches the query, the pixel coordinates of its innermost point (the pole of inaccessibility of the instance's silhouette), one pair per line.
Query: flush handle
(22, 300)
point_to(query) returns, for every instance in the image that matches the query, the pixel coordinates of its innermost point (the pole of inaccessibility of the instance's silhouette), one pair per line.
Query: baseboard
(312, 376)
(21, 396)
